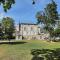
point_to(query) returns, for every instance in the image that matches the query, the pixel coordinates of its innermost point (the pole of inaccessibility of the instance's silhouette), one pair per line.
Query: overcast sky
(24, 11)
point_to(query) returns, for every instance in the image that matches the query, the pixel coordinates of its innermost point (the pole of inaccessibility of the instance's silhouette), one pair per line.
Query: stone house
(29, 31)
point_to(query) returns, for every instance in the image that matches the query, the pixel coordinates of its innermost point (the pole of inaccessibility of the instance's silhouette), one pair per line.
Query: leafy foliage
(57, 32)
(45, 54)
(8, 27)
(49, 17)
(7, 4)
(0, 31)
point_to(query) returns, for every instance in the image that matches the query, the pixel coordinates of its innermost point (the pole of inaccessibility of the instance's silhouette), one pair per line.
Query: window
(31, 28)
(24, 28)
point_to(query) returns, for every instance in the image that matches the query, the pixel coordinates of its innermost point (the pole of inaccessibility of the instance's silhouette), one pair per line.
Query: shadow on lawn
(45, 54)
(13, 43)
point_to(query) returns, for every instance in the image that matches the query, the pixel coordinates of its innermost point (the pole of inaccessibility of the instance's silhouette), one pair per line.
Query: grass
(22, 49)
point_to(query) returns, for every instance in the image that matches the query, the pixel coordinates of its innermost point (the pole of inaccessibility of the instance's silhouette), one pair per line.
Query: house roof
(28, 24)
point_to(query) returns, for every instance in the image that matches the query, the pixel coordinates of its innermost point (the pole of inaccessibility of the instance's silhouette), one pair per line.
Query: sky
(25, 12)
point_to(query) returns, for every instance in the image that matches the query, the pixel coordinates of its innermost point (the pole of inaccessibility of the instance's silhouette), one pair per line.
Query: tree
(7, 4)
(1, 30)
(57, 32)
(40, 17)
(49, 18)
(8, 27)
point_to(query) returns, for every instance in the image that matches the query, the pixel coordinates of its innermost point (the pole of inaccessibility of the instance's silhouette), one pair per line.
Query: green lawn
(22, 49)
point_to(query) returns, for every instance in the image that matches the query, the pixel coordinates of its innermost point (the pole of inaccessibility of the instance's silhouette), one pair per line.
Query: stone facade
(29, 32)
